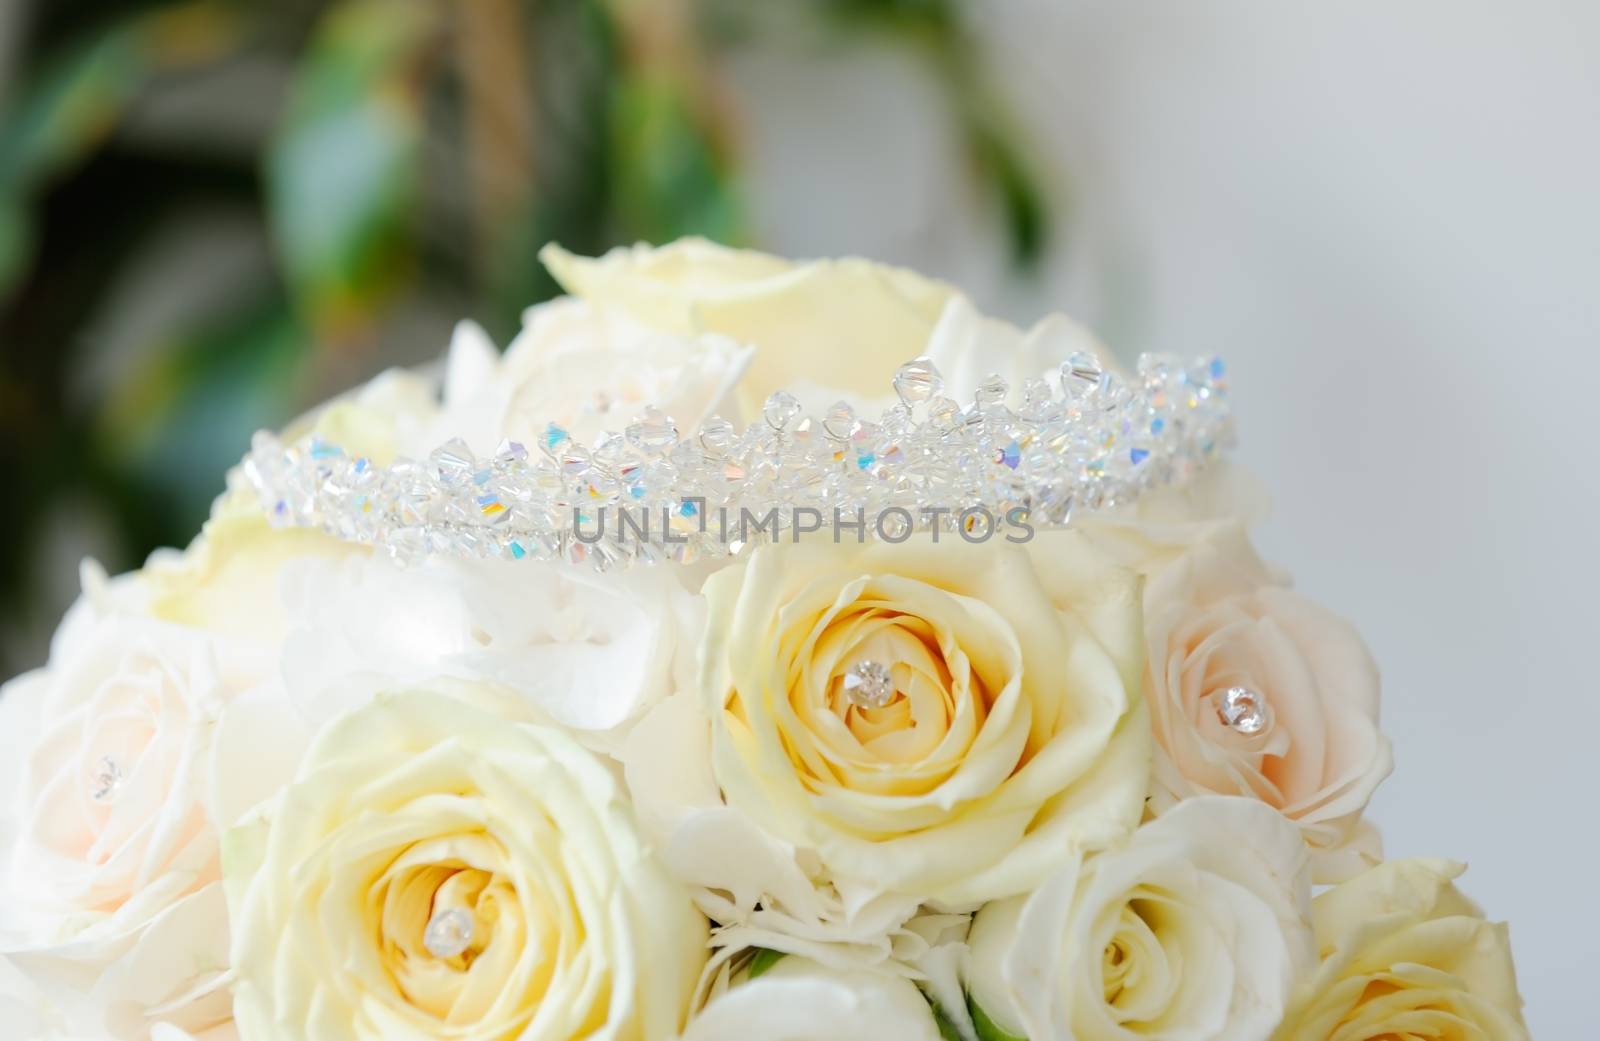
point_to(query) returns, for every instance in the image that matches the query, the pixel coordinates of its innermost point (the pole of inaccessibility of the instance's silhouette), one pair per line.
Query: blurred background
(1383, 212)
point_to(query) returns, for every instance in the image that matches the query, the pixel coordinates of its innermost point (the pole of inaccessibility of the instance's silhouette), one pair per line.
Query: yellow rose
(1405, 955)
(941, 720)
(846, 325)
(439, 870)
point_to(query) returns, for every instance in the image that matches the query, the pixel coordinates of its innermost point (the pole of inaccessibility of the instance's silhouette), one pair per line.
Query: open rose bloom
(751, 651)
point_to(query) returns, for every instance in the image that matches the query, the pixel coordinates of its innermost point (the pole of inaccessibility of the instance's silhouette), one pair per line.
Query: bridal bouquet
(753, 651)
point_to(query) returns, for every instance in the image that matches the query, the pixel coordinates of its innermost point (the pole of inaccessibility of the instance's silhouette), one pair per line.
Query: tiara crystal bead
(717, 435)
(781, 410)
(1097, 444)
(917, 381)
(1082, 376)
(991, 392)
(944, 415)
(840, 421)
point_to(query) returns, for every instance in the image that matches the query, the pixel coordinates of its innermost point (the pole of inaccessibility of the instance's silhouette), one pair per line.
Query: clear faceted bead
(554, 439)
(840, 421)
(780, 410)
(944, 415)
(918, 381)
(1038, 402)
(575, 460)
(1081, 375)
(610, 449)
(1158, 368)
(717, 435)
(453, 462)
(449, 932)
(992, 391)
(654, 433)
(869, 684)
(1244, 710)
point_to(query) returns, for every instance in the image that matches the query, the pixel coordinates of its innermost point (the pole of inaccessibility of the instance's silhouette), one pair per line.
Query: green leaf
(69, 106)
(188, 413)
(765, 958)
(343, 176)
(1021, 201)
(947, 1029)
(988, 1029)
(16, 244)
(668, 177)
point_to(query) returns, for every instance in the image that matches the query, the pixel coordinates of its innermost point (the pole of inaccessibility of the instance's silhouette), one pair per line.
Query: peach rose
(1304, 692)
(119, 763)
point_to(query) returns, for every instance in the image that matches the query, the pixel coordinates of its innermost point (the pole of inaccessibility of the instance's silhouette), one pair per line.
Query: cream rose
(844, 325)
(438, 869)
(121, 765)
(1001, 727)
(1196, 929)
(1218, 621)
(1405, 955)
(799, 1000)
(230, 581)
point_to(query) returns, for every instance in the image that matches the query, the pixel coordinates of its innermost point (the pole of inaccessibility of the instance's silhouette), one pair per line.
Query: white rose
(122, 761)
(551, 920)
(590, 652)
(844, 325)
(968, 347)
(588, 369)
(762, 891)
(1197, 929)
(798, 1000)
(1164, 523)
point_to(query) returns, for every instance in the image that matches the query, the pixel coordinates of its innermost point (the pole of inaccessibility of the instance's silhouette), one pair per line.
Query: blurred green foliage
(212, 212)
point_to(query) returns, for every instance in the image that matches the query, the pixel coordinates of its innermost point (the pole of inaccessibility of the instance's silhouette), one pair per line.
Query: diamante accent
(1100, 442)
(1243, 710)
(449, 932)
(106, 780)
(869, 684)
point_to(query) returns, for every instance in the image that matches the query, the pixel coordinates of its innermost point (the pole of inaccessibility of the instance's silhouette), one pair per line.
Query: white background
(1387, 216)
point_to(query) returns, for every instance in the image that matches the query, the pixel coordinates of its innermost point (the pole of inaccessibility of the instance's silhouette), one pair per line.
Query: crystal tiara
(649, 494)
